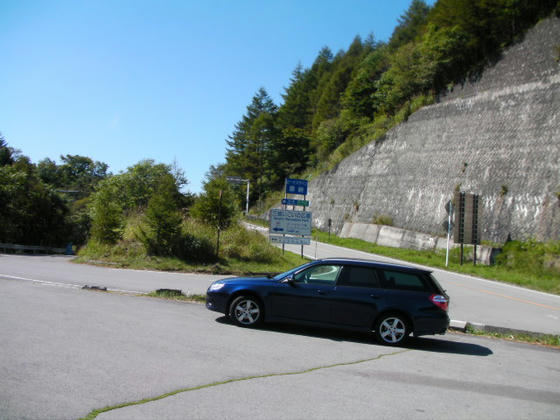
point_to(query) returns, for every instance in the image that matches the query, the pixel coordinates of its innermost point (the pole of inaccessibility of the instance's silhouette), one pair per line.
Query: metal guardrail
(20, 249)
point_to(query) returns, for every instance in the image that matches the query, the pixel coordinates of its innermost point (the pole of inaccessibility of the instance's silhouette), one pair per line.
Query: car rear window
(359, 277)
(403, 281)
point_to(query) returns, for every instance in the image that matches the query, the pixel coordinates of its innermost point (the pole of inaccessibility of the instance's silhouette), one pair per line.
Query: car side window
(403, 281)
(318, 274)
(359, 277)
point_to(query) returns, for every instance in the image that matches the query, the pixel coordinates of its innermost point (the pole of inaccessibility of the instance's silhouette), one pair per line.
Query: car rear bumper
(436, 323)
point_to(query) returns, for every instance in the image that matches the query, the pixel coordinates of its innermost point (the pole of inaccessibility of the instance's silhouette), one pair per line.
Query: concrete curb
(464, 326)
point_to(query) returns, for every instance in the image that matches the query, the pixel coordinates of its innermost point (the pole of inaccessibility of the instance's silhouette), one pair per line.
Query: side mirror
(289, 280)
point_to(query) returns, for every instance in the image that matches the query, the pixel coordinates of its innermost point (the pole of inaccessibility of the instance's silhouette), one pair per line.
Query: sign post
(291, 222)
(449, 209)
(468, 228)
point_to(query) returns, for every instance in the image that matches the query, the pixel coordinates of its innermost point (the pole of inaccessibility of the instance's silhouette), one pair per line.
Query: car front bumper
(217, 302)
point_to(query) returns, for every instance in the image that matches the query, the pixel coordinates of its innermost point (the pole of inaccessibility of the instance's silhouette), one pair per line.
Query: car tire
(246, 311)
(392, 329)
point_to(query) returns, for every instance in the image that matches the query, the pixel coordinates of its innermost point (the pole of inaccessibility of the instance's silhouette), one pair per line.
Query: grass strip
(171, 294)
(93, 414)
(549, 340)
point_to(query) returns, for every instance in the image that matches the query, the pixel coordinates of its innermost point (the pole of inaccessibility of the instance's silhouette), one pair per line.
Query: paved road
(67, 351)
(472, 299)
(59, 269)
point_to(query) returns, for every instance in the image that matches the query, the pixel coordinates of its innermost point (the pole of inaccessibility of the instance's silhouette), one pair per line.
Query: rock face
(498, 137)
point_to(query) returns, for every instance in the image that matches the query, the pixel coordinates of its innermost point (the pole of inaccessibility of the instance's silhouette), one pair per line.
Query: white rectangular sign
(290, 222)
(294, 240)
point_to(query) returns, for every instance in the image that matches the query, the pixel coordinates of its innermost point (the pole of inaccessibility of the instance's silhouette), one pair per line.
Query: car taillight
(440, 301)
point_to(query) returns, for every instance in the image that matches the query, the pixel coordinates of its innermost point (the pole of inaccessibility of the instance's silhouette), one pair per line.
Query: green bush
(163, 219)
(107, 220)
(217, 205)
(531, 256)
(195, 249)
(241, 244)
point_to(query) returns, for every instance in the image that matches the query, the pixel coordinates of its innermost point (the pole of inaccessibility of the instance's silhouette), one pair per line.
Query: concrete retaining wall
(401, 238)
(498, 137)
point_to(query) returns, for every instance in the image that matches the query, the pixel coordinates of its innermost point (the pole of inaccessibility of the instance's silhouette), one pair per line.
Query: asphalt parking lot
(70, 351)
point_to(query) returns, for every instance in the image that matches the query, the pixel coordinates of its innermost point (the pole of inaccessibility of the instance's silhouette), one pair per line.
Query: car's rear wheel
(392, 329)
(246, 311)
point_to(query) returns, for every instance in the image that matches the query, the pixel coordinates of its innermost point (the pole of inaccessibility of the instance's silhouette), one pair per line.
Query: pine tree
(249, 147)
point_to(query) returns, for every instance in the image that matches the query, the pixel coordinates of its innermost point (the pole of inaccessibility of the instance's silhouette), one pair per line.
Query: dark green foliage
(297, 110)
(359, 96)
(107, 217)
(31, 213)
(79, 174)
(217, 205)
(6, 152)
(131, 191)
(79, 221)
(329, 103)
(531, 256)
(141, 180)
(163, 218)
(249, 147)
(410, 24)
(489, 24)
(194, 248)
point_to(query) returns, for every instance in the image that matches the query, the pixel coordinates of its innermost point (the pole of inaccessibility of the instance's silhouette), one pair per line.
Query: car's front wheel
(246, 311)
(392, 329)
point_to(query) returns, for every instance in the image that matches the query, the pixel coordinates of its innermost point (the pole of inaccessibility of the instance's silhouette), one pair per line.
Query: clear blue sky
(124, 80)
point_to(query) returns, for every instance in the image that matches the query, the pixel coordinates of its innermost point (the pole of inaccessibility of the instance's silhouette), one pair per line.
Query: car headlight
(215, 287)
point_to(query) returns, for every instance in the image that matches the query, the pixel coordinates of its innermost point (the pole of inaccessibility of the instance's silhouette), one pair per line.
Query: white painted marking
(67, 285)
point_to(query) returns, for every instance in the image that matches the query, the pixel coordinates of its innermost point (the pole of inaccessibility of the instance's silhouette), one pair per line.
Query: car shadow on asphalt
(436, 344)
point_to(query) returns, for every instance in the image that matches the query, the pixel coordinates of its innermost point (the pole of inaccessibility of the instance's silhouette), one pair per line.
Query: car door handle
(321, 292)
(374, 296)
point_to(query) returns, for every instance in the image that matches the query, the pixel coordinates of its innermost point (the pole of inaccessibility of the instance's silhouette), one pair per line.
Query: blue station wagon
(390, 300)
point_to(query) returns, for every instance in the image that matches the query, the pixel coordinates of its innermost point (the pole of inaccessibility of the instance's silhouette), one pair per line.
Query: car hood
(253, 280)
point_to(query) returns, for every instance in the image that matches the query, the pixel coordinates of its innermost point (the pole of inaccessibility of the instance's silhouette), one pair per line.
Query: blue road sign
(292, 202)
(290, 222)
(296, 186)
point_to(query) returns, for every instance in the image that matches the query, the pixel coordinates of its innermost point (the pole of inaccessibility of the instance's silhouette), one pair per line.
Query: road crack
(93, 414)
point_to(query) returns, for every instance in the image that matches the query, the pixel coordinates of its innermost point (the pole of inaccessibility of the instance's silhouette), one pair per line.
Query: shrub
(217, 206)
(163, 219)
(107, 221)
(195, 249)
(531, 256)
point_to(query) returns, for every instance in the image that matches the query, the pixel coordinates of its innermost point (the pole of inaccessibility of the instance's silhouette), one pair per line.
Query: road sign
(294, 240)
(468, 226)
(236, 180)
(296, 186)
(290, 222)
(291, 202)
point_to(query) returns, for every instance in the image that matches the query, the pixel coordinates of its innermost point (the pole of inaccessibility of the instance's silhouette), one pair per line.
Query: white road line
(67, 285)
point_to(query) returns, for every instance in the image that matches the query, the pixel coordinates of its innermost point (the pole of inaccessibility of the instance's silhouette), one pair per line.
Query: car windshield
(292, 271)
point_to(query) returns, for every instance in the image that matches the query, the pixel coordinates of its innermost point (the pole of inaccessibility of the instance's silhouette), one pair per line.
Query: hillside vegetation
(345, 100)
